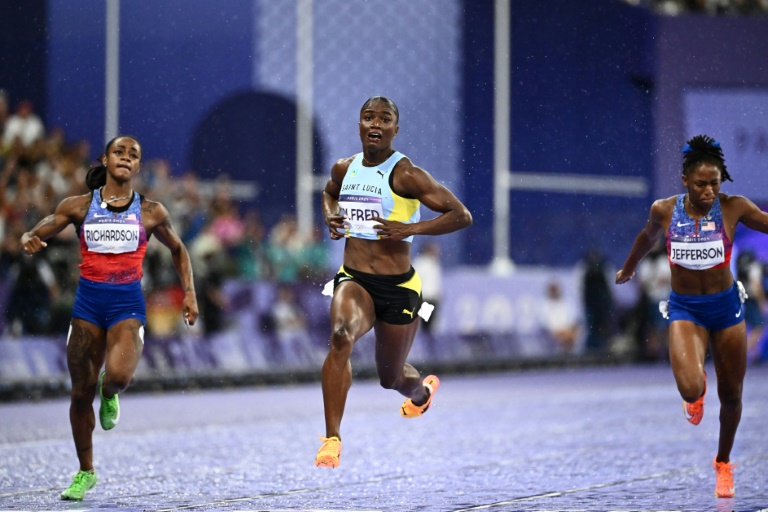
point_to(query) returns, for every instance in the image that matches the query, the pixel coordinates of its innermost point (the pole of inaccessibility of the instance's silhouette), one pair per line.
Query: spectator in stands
(430, 268)
(285, 249)
(598, 303)
(372, 201)
(210, 283)
(189, 207)
(4, 113)
(24, 127)
(109, 314)
(290, 326)
(251, 253)
(655, 284)
(705, 308)
(711, 7)
(749, 271)
(560, 320)
(32, 287)
(313, 257)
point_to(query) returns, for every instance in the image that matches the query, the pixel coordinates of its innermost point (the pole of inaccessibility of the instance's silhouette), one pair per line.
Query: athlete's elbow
(465, 218)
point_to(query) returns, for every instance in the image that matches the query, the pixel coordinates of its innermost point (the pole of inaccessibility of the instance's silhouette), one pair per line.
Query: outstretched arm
(163, 230)
(644, 242)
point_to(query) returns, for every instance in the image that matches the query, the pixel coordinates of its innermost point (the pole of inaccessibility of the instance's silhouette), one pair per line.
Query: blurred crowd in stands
(710, 7)
(39, 167)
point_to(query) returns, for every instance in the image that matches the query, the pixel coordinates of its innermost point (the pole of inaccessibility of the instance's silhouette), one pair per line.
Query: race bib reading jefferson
(359, 212)
(697, 255)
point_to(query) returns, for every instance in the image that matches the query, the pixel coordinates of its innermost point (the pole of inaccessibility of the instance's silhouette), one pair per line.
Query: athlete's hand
(335, 225)
(622, 276)
(31, 244)
(189, 308)
(392, 230)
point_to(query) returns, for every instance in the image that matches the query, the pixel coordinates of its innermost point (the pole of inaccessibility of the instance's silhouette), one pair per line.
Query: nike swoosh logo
(681, 225)
(738, 314)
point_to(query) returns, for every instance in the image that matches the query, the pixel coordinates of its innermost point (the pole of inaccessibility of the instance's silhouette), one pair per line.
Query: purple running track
(608, 438)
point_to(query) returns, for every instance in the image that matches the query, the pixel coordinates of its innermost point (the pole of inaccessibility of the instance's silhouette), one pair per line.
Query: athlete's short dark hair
(385, 100)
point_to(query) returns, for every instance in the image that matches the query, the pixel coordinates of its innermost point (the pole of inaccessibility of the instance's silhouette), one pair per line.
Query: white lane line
(555, 494)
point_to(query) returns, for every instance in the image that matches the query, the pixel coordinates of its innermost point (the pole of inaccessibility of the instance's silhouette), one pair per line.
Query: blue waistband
(707, 297)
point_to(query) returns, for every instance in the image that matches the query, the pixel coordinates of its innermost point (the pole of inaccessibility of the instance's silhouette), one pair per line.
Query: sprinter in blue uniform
(372, 201)
(705, 306)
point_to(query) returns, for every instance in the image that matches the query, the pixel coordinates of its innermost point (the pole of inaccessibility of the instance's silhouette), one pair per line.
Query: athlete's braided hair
(703, 149)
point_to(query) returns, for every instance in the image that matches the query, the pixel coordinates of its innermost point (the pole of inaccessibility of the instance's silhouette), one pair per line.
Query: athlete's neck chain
(112, 199)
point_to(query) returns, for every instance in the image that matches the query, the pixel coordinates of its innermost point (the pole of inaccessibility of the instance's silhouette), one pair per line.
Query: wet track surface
(567, 439)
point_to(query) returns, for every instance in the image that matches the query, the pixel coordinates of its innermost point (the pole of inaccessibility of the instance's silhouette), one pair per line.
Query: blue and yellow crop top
(698, 244)
(366, 192)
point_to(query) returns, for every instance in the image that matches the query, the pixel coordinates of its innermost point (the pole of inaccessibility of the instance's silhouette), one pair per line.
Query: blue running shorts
(105, 304)
(715, 312)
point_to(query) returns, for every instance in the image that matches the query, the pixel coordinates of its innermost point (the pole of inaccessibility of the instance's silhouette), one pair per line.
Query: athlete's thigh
(86, 348)
(687, 346)
(393, 344)
(729, 354)
(125, 343)
(352, 309)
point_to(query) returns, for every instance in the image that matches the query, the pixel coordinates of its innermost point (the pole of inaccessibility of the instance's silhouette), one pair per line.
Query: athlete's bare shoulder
(340, 167)
(737, 206)
(665, 204)
(661, 210)
(152, 212)
(344, 161)
(75, 207)
(728, 201)
(405, 171)
(405, 165)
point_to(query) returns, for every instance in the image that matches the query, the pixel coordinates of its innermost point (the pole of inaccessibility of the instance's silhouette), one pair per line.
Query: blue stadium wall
(581, 105)
(596, 91)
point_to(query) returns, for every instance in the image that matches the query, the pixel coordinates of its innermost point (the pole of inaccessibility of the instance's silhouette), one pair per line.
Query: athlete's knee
(730, 397)
(691, 390)
(342, 339)
(82, 397)
(118, 380)
(390, 381)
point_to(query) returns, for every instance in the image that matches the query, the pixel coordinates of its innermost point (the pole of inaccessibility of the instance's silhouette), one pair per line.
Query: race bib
(359, 212)
(697, 255)
(111, 237)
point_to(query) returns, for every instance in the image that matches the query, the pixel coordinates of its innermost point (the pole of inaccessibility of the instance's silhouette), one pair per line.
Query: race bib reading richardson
(111, 237)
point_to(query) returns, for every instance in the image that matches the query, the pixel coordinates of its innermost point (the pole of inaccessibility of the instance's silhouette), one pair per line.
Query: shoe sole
(327, 462)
